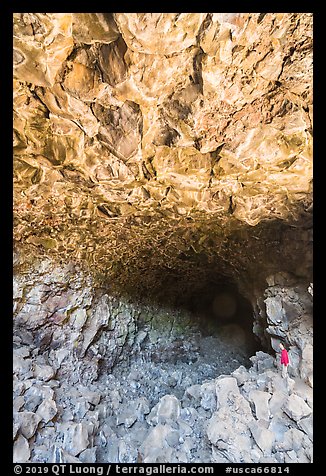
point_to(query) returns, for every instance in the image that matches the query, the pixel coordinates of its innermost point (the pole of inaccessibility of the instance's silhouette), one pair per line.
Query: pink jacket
(284, 357)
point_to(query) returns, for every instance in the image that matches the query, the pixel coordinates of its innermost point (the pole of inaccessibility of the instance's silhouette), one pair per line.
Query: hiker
(284, 360)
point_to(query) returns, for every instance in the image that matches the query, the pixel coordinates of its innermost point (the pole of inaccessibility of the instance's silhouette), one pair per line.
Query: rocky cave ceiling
(175, 145)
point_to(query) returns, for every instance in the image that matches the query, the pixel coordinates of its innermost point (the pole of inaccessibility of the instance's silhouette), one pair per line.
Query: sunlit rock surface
(162, 234)
(152, 138)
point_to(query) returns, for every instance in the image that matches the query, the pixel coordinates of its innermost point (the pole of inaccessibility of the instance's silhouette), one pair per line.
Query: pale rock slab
(226, 391)
(296, 407)
(28, 423)
(168, 408)
(47, 410)
(75, 437)
(21, 450)
(263, 437)
(44, 372)
(261, 400)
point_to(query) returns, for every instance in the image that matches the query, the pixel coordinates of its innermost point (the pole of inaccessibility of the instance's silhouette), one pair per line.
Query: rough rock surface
(162, 167)
(177, 131)
(155, 412)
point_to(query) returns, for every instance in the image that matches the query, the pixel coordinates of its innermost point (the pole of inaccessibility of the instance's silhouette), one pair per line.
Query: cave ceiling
(175, 144)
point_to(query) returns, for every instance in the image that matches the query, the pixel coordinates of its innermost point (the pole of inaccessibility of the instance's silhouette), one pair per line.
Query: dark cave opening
(221, 309)
(206, 331)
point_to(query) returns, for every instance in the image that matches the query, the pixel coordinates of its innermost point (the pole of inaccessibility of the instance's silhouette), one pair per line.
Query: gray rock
(28, 423)
(62, 456)
(226, 390)
(32, 400)
(18, 387)
(267, 459)
(80, 408)
(241, 374)
(47, 410)
(114, 399)
(296, 407)
(208, 396)
(138, 433)
(181, 457)
(302, 456)
(260, 400)
(100, 318)
(293, 439)
(18, 403)
(236, 413)
(159, 455)
(127, 453)
(112, 450)
(193, 395)
(306, 364)
(155, 443)
(41, 454)
(21, 366)
(278, 426)
(43, 372)
(277, 384)
(91, 397)
(262, 361)
(189, 414)
(126, 416)
(306, 425)
(15, 428)
(88, 456)
(303, 390)
(168, 408)
(75, 437)
(189, 445)
(274, 310)
(22, 352)
(21, 451)
(184, 428)
(263, 437)
(172, 438)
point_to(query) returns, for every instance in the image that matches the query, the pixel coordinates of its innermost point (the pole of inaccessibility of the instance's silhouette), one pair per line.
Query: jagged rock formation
(160, 159)
(147, 134)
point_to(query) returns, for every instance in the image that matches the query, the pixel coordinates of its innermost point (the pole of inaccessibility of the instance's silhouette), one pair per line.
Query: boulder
(262, 436)
(62, 456)
(18, 403)
(208, 396)
(75, 437)
(22, 367)
(172, 438)
(28, 423)
(226, 391)
(126, 416)
(43, 372)
(241, 374)
(193, 394)
(88, 456)
(168, 408)
(155, 447)
(274, 310)
(293, 440)
(296, 407)
(279, 425)
(47, 410)
(236, 413)
(306, 364)
(306, 425)
(21, 452)
(260, 400)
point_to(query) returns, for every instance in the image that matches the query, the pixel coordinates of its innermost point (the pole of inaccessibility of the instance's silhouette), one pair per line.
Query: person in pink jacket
(284, 360)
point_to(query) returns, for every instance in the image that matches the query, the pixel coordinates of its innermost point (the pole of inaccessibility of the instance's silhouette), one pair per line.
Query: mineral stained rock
(142, 139)
(158, 158)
